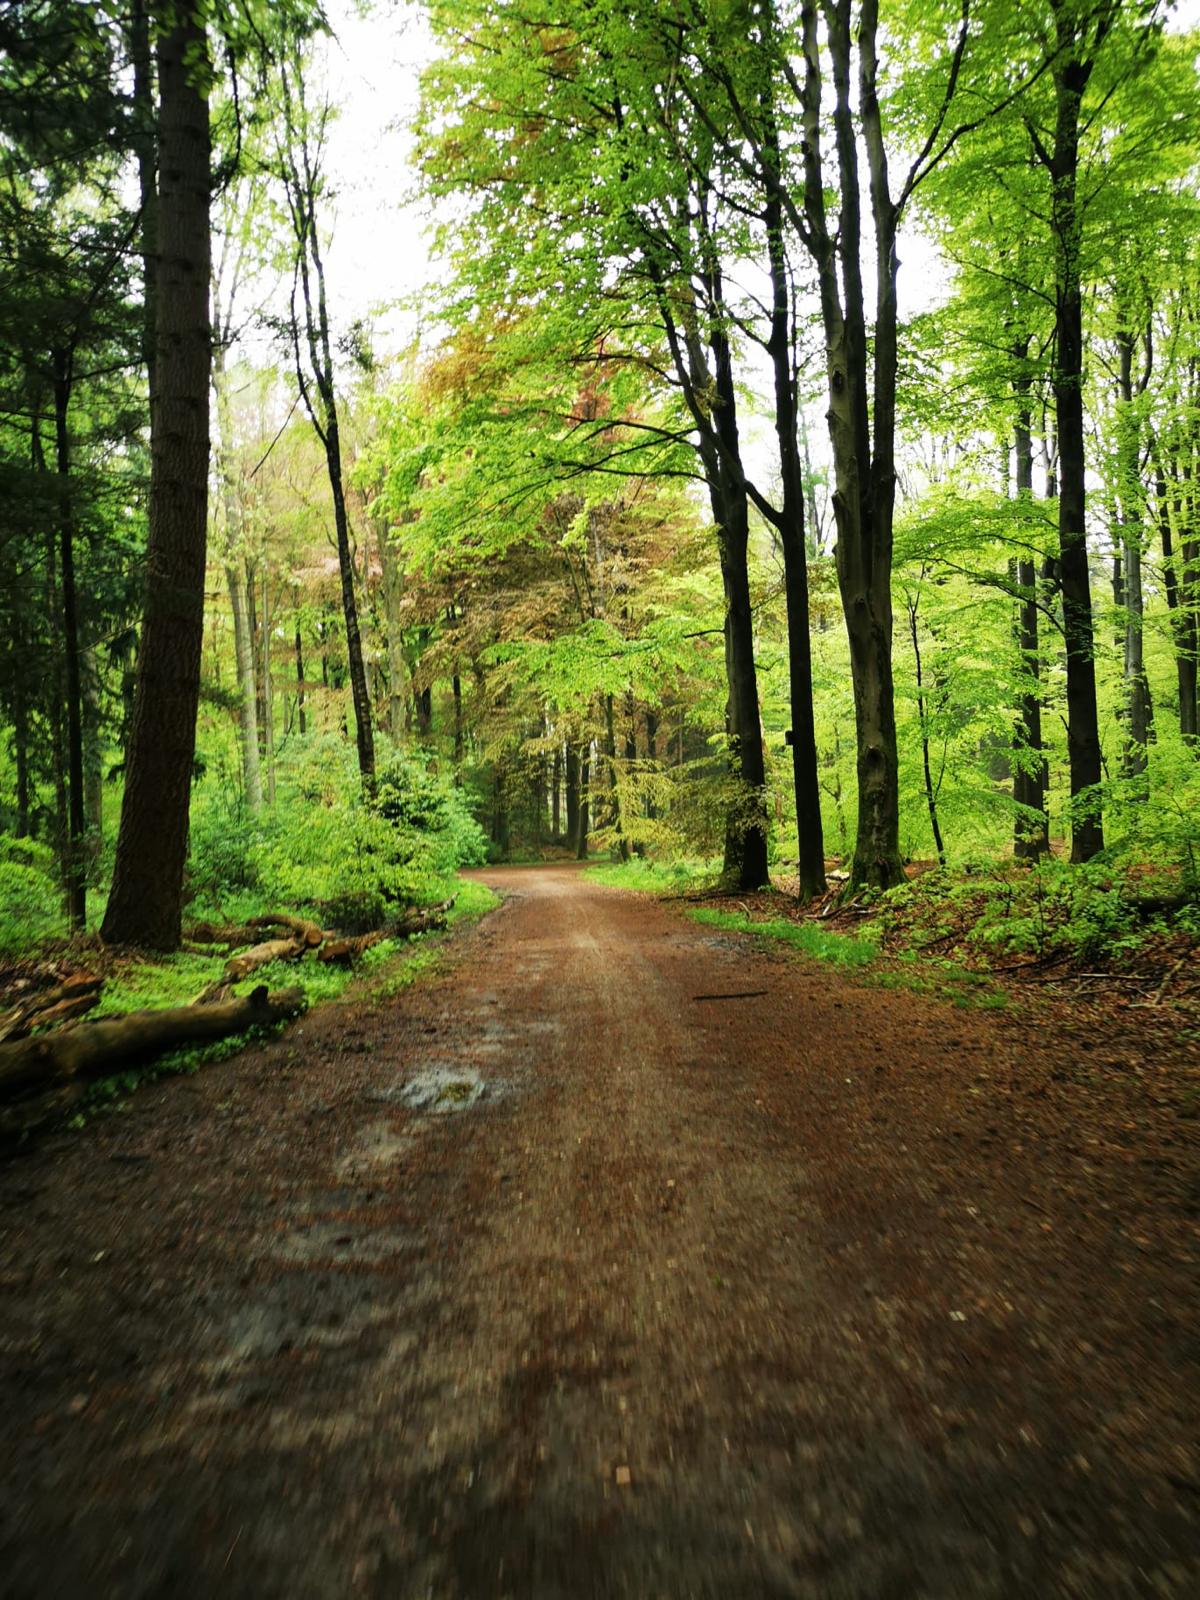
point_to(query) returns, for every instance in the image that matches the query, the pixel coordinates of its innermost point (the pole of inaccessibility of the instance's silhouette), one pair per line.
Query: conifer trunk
(145, 901)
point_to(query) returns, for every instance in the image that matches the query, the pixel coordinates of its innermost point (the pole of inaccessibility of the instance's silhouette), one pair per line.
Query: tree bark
(805, 779)
(571, 763)
(1031, 834)
(1083, 727)
(145, 901)
(864, 468)
(581, 846)
(1139, 712)
(93, 1049)
(75, 855)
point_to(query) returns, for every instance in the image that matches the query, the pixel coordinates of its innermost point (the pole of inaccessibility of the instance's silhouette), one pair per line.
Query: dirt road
(582, 1270)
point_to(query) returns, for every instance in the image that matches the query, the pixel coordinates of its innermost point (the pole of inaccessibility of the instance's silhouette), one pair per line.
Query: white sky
(379, 250)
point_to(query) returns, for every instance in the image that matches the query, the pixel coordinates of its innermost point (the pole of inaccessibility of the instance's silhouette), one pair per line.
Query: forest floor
(620, 1256)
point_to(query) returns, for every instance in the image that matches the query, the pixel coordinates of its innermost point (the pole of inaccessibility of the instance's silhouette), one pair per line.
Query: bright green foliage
(322, 849)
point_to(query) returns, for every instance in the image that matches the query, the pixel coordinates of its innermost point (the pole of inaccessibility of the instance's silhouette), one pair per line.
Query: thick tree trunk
(1083, 724)
(864, 494)
(144, 904)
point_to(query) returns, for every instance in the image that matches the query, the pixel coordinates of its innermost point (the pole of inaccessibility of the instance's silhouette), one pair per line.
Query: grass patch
(941, 980)
(839, 949)
(157, 984)
(653, 877)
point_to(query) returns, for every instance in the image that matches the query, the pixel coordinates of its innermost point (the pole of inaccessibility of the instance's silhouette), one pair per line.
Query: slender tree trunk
(614, 793)
(93, 761)
(652, 756)
(76, 857)
(1031, 835)
(364, 729)
(301, 178)
(146, 152)
(268, 688)
(456, 690)
(805, 779)
(1139, 710)
(21, 748)
(922, 717)
(571, 761)
(1183, 628)
(581, 848)
(303, 725)
(392, 583)
(146, 898)
(556, 792)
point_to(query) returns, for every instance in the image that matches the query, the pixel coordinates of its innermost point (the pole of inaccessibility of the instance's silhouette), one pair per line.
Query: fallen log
(220, 933)
(94, 1049)
(308, 933)
(343, 951)
(418, 919)
(72, 998)
(239, 967)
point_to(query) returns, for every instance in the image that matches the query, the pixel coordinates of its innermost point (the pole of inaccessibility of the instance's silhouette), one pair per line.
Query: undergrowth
(654, 876)
(383, 970)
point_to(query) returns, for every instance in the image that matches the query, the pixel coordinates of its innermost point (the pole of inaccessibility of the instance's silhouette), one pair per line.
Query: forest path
(656, 1296)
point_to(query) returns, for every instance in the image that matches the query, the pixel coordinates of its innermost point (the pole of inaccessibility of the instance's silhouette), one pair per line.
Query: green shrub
(30, 897)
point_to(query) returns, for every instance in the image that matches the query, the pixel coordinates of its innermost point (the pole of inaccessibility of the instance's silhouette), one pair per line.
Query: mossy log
(95, 1049)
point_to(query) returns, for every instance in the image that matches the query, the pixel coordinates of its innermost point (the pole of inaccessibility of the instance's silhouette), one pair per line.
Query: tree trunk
(145, 149)
(571, 763)
(556, 795)
(93, 761)
(1139, 712)
(145, 900)
(805, 779)
(76, 856)
(302, 721)
(92, 1049)
(21, 748)
(1031, 834)
(865, 480)
(392, 584)
(581, 847)
(922, 717)
(268, 688)
(614, 793)
(1183, 620)
(1083, 725)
